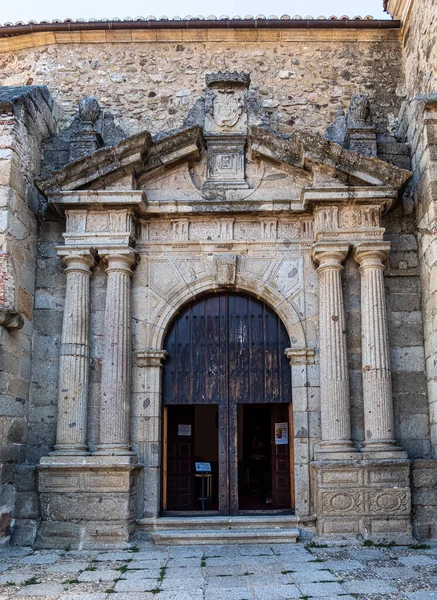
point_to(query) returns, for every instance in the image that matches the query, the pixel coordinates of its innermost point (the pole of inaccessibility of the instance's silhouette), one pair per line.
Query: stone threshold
(225, 536)
(251, 529)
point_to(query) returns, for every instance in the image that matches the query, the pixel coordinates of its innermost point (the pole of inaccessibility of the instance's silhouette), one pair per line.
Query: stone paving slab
(42, 589)
(251, 572)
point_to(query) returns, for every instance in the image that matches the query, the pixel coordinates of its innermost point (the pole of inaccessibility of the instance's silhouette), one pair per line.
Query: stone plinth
(87, 503)
(424, 492)
(356, 499)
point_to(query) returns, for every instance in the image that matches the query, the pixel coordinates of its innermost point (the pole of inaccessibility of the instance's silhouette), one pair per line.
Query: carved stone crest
(226, 269)
(227, 107)
(350, 219)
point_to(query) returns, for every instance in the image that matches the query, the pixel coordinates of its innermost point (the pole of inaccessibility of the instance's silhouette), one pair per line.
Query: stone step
(225, 536)
(217, 522)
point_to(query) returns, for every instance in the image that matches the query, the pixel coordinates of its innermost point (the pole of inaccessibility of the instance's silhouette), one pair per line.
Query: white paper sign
(281, 433)
(184, 429)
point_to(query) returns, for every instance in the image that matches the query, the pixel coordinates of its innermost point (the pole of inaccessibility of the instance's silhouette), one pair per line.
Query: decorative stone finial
(361, 133)
(359, 111)
(89, 110)
(336, 132)
(85, 139)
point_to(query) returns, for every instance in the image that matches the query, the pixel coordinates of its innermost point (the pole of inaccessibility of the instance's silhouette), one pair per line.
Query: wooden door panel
(180, 459)
(281, 484)
(225, 349)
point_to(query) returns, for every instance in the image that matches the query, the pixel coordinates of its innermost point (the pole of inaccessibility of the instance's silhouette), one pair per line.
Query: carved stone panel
(225, 269)
(225, 163)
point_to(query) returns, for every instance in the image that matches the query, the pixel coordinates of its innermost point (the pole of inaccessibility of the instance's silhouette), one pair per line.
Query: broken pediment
(230, 161)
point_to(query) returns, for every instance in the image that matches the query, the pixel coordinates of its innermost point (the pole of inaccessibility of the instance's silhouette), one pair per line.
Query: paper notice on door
(184, 430)
(281, 433)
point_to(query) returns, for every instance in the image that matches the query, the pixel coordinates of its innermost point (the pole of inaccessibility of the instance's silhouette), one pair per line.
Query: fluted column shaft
(71, 433)
(115, 386)
(377, 389)
(334, 373)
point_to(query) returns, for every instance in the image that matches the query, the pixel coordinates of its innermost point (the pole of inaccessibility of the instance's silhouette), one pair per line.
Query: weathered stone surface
(177, 192)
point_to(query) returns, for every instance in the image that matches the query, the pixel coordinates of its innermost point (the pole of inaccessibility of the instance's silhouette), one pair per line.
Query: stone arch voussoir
(284, 308)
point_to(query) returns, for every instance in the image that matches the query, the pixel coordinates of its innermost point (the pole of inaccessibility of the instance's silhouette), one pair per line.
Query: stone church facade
(218, 248)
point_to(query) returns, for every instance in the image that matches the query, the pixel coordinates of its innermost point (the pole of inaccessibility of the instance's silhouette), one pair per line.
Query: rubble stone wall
(25, 119)
(302, 78)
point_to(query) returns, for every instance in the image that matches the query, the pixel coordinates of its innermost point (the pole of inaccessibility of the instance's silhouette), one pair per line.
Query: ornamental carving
(350, 219)
(342, 502)
(180, 229)
(227, 107)
(389, 501)
(226, 269)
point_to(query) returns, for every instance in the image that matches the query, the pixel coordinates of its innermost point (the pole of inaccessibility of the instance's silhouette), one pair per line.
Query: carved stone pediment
(225, 157)
(225, 164)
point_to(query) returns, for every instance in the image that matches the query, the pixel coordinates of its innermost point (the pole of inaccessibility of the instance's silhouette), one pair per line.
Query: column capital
(300, 356)
(80, 260)
(151, 358)
(372, 254)
(118, 259)
(329, 254)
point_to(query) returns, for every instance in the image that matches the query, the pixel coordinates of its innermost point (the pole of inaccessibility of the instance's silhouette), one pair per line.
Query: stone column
(71, 434)
(115, 394)
(334, 373)
(377, 390)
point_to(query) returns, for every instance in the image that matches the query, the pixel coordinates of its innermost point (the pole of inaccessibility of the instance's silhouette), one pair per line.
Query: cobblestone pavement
(246, 572)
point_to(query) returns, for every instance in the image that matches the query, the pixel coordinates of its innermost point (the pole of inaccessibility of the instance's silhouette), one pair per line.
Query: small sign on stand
(203, 470)
(203, 467)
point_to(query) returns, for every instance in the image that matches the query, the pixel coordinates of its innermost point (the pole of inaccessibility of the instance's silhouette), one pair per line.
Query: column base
(113, 450)
(70, 450)
(87, 502)
(358, 499)
(338, 450)
(382, 449)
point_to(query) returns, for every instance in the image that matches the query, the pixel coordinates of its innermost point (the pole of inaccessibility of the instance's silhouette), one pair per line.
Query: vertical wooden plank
(180, 459)
(235, 390)
(233, 456)
(256, 352)
(291, 447)
(280, 460)
(197, 342)
(284, 371)
(183, 350)
(169, 379)
(223, 405)
(164, 457)
(213, 348)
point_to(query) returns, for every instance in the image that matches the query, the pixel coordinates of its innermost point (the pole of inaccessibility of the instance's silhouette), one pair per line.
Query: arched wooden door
(226, 351)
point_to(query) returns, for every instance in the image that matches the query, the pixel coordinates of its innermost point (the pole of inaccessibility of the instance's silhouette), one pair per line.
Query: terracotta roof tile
(195, 18)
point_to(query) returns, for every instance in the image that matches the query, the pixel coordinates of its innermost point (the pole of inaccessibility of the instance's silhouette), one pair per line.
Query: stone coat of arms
(226, 107)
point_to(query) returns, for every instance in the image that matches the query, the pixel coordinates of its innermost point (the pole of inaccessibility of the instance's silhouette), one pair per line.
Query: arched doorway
(227, 403)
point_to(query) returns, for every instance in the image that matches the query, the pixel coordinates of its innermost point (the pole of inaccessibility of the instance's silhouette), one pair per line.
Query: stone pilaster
(71, 434)
(115, 398)
(377, 389)
(334, 374)
(147, 427)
